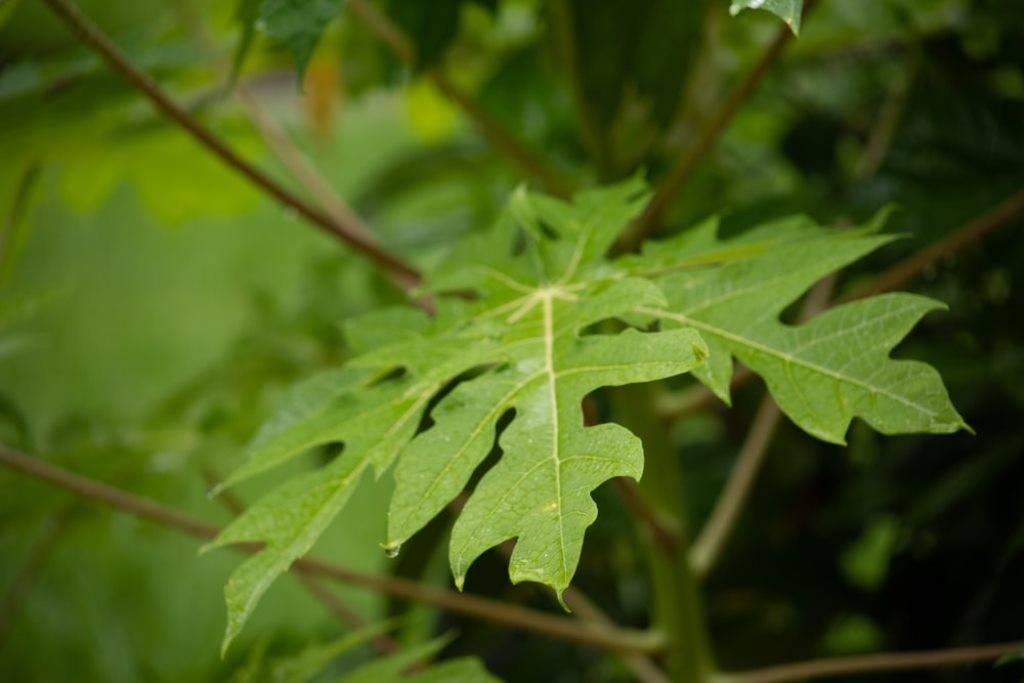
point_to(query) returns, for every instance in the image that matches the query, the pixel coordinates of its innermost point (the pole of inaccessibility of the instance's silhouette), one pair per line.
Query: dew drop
(391, 551)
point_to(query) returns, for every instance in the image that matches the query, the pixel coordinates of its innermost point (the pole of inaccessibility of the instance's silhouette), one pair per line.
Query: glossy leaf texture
(532, 317)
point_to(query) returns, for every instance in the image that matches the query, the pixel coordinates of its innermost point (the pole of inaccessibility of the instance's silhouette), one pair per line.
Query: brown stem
(875, 663)
(562, 628)
(91, 35)
(1005, 213)
(709, 136)
(403, 47)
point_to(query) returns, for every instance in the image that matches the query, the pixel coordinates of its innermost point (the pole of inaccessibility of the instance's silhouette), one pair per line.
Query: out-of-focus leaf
(431, 25)
(393, 668)
(298, 24)
(866, 561)
(624, 52)
(787, 10)
(246, 15)
(315, 660)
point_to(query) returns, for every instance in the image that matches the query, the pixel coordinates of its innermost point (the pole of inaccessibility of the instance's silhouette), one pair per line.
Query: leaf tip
(560, 596)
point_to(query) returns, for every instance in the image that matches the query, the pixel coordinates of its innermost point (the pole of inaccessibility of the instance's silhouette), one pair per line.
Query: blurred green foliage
(153, 308)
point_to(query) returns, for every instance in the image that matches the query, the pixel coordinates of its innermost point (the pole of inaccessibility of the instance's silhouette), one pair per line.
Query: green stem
(676, 604)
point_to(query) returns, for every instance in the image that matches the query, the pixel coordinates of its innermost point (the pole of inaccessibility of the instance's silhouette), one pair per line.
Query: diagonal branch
(874, 663)
(706, 140)
(91, 35)
(1005, 213)
(402, 46)
(513, 616)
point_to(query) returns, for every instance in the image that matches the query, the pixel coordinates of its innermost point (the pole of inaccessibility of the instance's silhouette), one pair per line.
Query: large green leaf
(822, 373)
(528, 337)
(539, 279)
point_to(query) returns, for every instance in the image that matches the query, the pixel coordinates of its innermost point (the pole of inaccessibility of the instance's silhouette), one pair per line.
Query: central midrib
(549, 367)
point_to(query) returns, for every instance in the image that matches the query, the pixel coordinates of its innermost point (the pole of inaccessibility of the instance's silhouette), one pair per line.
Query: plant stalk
(676, 605)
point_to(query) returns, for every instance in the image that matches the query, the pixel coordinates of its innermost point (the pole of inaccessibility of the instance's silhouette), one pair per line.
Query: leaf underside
(550, 320)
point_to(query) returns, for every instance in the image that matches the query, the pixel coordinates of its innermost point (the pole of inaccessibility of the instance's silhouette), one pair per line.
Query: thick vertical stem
(676, 603)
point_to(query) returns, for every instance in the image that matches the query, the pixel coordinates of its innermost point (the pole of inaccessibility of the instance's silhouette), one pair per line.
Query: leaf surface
(532, 317)
(822, 373)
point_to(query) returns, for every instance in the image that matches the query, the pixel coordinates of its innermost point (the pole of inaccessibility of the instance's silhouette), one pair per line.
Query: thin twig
(874, 663)
(881, 135)
(562, 628)
(645, 670)
(403, 47)
(716, 531)
(563, 28)
(709, 136)
(1000, 216)
(90, 34)
(665, 533)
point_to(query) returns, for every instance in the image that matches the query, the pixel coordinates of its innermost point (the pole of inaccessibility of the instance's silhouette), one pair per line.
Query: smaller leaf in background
(297, 24)
(865, 563)
(431, 25)
(788, 10)
(314, 660)
(393, 668)
(431, 115)
(246, 14)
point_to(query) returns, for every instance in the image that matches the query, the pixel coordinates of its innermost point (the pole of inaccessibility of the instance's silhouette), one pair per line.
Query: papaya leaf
(538, 281)
(524, 332)
(787, 10)
(822, 373)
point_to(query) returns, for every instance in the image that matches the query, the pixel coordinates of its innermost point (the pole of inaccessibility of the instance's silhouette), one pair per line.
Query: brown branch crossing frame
(90, 34)
(562, 628)
(684, 167)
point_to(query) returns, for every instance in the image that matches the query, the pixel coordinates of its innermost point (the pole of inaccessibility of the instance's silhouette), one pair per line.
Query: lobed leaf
(523, 334)
(829, 370)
